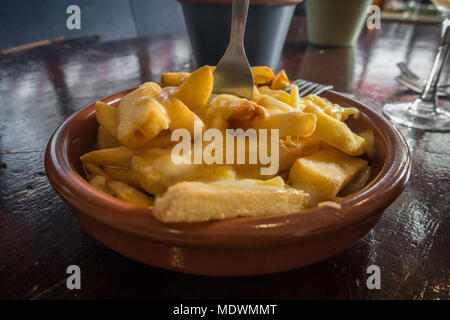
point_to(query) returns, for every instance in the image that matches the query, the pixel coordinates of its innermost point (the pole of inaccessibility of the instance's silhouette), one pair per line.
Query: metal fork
(308, 87)
(410, 80)
(233, 74)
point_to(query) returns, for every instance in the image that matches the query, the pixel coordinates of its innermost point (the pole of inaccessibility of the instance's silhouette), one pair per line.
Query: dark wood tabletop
(39, 238)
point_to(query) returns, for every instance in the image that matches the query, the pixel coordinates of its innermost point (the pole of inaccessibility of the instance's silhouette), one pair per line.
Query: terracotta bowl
(242, 246)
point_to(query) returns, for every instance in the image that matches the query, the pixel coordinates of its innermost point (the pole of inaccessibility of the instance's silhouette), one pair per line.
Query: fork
(233, 74)
(410, 80)
(308, 87)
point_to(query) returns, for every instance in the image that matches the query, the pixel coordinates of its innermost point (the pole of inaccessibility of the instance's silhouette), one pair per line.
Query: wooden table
(39, 238)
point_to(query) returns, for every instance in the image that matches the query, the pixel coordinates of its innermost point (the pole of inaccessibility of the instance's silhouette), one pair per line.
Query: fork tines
(308, 87)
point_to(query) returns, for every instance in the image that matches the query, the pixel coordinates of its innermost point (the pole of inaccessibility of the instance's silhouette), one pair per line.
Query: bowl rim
(278, 230)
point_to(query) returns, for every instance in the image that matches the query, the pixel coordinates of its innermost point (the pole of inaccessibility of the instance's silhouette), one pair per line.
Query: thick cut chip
(180, 115)
(99, 183)
(289, 123)
(141, 116)
(292, 148)
(106, 140)
(129, 194)
(274, 104)
(119, 156)
(280, 95)
(262, 75)
(196, 201)
(325, 173)
(295, 98)
(196, 89)
(107, 117)
(281, 81)
(148, 177)
(173, 79)
(122, 174)
(94, 170)
(337, 133)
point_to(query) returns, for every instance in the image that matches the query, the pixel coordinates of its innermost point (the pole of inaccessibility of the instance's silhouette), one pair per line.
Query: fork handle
(238, 20)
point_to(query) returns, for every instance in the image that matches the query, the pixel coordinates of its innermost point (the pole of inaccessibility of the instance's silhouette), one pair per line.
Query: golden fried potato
(213, 173)
(281, 81)
(120, 156)
(196, 89)
(122, 174)
(280, 95)
(141, 116)
(99, 183)
(107, 117)
(129, 194)
(262, 75)
(173, 79)
(148, 177)
(337, 133)
(332, 109)
(291, 148)
(105, 140)
(370, 138)
(225, 107)
(94, 170)
(289, 123)
(325, 173)
(196, 201)
(180, 115)
(273, 104)
(295, 98)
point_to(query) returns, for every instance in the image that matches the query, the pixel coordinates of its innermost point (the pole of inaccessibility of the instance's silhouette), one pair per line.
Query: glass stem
(430, 89)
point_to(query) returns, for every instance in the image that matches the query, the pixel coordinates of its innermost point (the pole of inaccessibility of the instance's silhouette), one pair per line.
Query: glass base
(406, 114)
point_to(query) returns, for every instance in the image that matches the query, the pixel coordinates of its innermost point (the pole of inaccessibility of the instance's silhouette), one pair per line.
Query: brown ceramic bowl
(242, 246)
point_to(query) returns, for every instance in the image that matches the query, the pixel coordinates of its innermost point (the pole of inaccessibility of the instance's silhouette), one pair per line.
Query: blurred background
(27, 21)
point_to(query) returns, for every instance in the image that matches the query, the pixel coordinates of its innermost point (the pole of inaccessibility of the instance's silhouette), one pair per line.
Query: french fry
(107, 117)
(173, 79)
(160, 141)
(141, 116)
(94, 170)
(119, 156)
(370, 138)
(262, 75)
(280, 95)
(196, 89)
(105, 140)
(325, 173)
(122, 174)
(295, 98)
(273, 104)
(281, 81)
(289, 123)
(337, 133)
(129, 194)
(214, 173)
(180, 115)
(99, 182)
(292, 148)
(332, 109)
(145, 173)
(225, 107)
(196, 201)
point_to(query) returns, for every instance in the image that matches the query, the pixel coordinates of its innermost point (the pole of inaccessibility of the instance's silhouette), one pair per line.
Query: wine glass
(425, 112)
